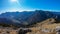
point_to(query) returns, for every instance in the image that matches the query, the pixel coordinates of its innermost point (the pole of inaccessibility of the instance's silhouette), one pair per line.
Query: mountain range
(27, 17)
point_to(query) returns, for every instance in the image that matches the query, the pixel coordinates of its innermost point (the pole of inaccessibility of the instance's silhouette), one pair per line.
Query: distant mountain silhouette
(26, 18)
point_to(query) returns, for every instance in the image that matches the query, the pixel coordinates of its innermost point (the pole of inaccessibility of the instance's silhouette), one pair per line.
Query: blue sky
(8, 5)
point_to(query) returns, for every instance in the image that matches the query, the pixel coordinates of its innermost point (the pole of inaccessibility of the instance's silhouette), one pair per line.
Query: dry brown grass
(51, 26)
(47, 24)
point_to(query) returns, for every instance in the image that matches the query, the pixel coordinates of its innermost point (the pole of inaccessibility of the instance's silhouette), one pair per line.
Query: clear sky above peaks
(21, 5)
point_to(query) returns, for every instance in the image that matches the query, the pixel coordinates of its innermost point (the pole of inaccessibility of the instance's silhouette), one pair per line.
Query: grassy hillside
(45, 27)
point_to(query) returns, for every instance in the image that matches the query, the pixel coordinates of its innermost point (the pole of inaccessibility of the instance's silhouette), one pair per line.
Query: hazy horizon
(29, 5)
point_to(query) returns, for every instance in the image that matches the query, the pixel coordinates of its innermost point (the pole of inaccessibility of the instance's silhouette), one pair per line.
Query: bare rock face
(24, 31)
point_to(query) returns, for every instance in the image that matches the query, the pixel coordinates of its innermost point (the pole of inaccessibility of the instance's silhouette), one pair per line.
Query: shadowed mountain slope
(25, 18)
